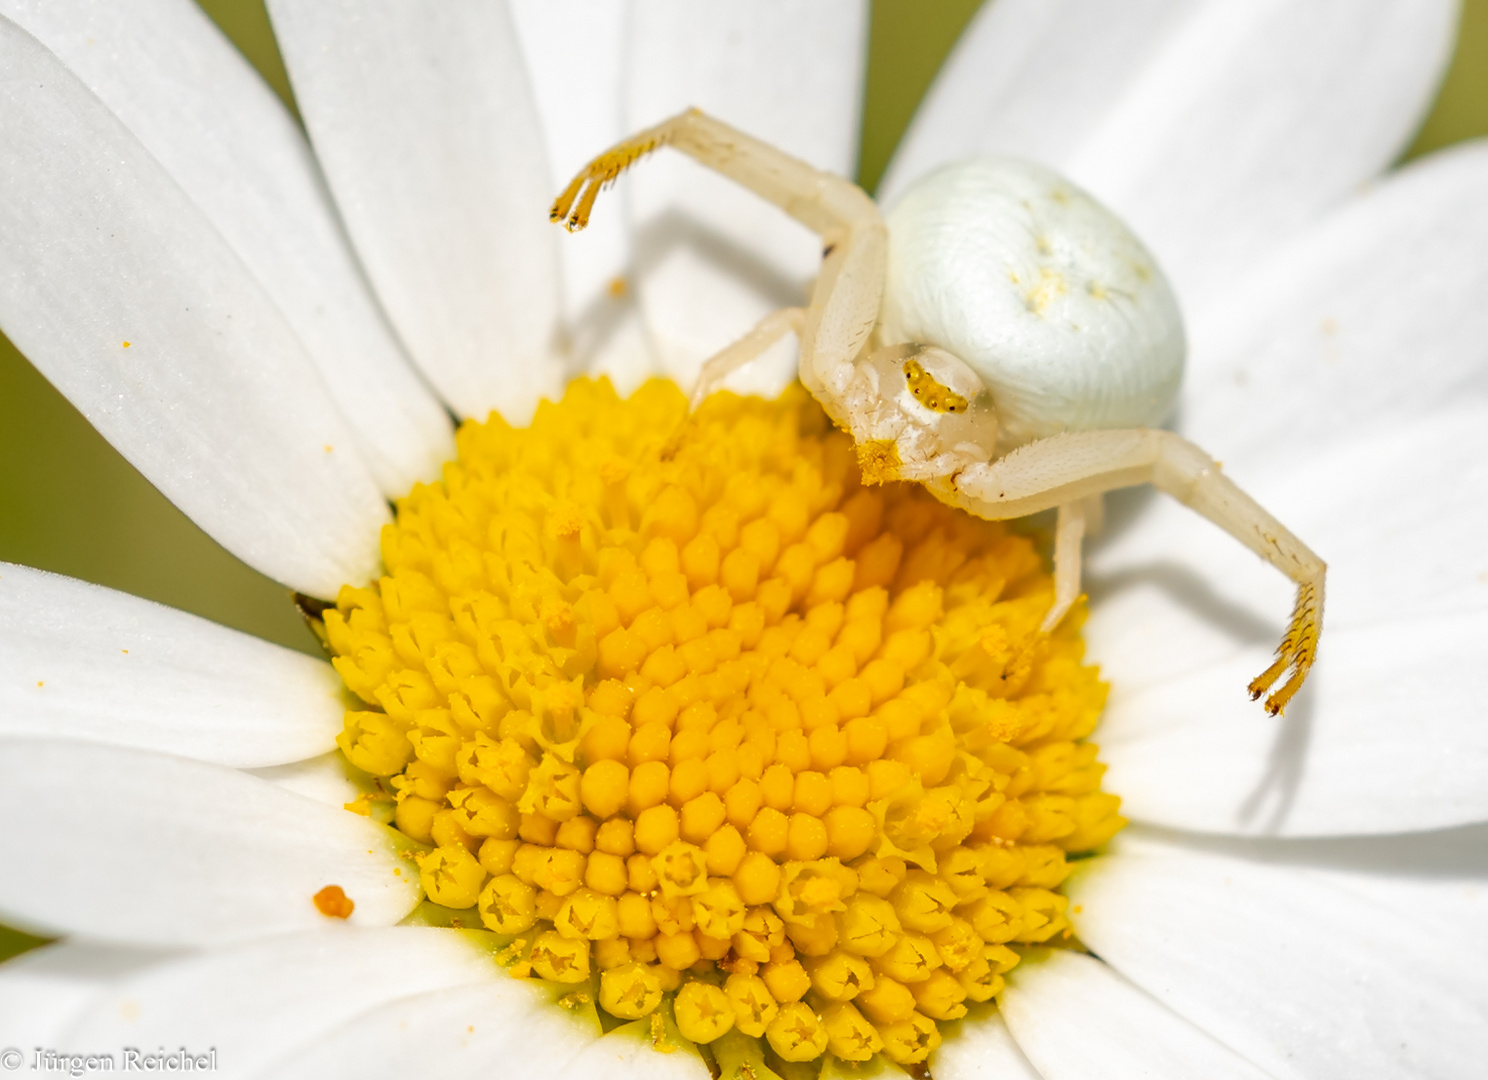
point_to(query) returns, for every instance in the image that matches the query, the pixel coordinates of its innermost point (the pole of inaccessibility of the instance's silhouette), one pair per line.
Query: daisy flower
(276, 331)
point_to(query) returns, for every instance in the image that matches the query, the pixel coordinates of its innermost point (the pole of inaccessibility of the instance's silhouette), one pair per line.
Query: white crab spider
(1001, 338)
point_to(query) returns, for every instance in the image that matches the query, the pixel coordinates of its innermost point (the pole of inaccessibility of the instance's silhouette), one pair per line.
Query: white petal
(222, 134)
(1216, 129)
(254, 1003)
(78, 661)
(1075, 1018)
(422, 119)
(502, 1027)
(324, 779)
(626, 1053)
(1372, 318)
(43, 990)
(124, 845)
(214, 400)
(713, 259)
(575, 51)
(981, 1048)
(1308, 972)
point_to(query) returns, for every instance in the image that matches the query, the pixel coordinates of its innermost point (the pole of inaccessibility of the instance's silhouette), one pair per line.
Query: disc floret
(688, 714)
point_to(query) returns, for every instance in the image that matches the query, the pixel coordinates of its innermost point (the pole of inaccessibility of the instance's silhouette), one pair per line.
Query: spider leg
(721, 365)
(1069, 531)
(1065, 468)
(845, 300)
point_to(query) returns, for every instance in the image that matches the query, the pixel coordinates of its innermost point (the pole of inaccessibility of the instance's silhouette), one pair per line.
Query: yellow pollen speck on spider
(704, 728)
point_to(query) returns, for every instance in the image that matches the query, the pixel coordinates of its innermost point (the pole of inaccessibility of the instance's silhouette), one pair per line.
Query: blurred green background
(69, 503)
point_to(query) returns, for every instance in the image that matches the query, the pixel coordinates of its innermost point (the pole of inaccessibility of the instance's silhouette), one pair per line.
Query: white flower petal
(79, 661)
(1372, 318)
(214, 400)
(182, 89)
(1216, 129)
(713, 259)
(503, 1027)
(124, 845)
(981, 1048)
(423, 121)
(256, 1003)
(43, 990)
(626, 1053)
(1309, 972)
(1075, 1018)
(324, 779)
(575, 52)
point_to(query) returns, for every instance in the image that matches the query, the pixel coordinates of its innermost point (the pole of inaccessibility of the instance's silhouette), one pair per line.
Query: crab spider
(1009, 350)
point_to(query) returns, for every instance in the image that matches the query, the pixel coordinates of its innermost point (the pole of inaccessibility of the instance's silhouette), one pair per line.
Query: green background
(69, 503)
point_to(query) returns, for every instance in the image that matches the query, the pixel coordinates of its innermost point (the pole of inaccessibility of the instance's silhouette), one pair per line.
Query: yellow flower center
(699, 721)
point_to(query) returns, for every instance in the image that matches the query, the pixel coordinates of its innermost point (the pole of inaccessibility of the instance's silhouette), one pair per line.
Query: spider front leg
(845, 300)
(721, 365)
(1060, 470)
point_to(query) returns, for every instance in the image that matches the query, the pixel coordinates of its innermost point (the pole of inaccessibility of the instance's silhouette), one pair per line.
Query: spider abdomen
(1042, 291)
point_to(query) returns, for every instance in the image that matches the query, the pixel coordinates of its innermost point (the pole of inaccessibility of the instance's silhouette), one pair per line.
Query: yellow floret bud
(957, 944)
(939, 996)
(703, 1012)
(415, 817)
(635, 918)
(869, 926)
(761, 933)
(757, 879)
(787, 980)
(451, 876)
(849, 1034)
(796, 1034)
(911, 960)
(507, 905)
(496, 856)
(605, 788)
(841, 976)
(605, 873)
(629, 991)
(479, 812)
(375, 743)
(559, 870)
(655, 828)
(718, 911)
(1042, 913)
(562, 959)
(886, 1001)
(753, 1006)
(589, 915)
(810, 889)
(725, 850)
(997, 917)
(911, 1040)
(924, 903)
(678, 951)
(616, 837)
(681, 869)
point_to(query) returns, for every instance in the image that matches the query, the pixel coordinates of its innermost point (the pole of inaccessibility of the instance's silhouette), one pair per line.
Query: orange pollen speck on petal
(721, 731)
(334, 902)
